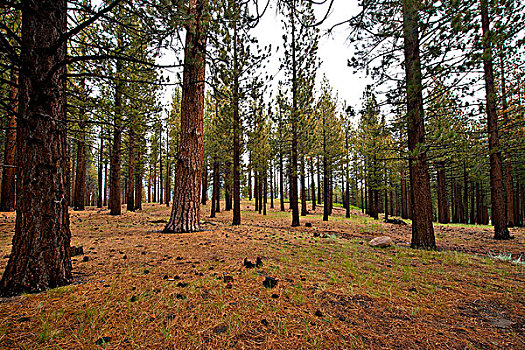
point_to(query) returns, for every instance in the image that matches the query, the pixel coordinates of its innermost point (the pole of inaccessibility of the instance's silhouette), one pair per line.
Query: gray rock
(382, 242)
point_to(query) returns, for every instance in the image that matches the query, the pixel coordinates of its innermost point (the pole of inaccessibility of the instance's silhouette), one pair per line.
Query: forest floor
(136, 288)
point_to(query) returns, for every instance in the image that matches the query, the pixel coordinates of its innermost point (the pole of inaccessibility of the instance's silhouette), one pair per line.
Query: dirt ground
(135, 288)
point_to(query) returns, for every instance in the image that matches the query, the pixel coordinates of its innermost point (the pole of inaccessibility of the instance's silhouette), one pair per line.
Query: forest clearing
(142, 289)
(262, 174)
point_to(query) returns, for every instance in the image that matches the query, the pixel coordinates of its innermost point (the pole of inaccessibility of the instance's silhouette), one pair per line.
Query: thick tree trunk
(40, 256)
(130, 184)
(186, 202)
(422, 229)
(7, 199)
(497, 192)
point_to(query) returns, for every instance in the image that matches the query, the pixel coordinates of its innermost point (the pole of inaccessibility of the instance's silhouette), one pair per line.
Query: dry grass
(146, 290)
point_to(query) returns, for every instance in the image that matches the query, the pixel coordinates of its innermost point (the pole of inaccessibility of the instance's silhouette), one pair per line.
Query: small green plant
(508, 258)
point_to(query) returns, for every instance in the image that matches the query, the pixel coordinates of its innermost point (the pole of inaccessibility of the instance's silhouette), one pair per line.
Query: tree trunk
(312, 181)
(185, 212)
(250, 177)
(105, 183)
(443, 216)
(215, 186)
(80, 178)
(236, 137)
(40, 256)
(114, 186)
(130, 189)
(138, 184)
(404, 211)
(228, 187)
(167, 186)
(204, 191)
(304, 211)
(7, 199)
(497, 192)
(256, 189)
(265, 193)
(271, 184)
(281, 180)
(260, 192)
(319, 187)
(509, 183)
(100, 174)
(326, 188)
(347, 198)
(294, 200)
(422, 229)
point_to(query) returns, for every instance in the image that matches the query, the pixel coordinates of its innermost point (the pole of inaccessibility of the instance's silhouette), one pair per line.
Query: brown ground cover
(136, 288)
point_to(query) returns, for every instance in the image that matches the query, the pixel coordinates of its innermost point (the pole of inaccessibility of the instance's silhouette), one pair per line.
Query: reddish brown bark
(185, 212)
(40, 257)
(422, 229)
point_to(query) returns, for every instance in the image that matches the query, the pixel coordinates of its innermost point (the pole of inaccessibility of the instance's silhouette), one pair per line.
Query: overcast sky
(334, 50)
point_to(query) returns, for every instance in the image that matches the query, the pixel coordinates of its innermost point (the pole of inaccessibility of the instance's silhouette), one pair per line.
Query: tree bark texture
(421, 208)
(497, 192)
(185, 212)
(130, 189)
(40, 257)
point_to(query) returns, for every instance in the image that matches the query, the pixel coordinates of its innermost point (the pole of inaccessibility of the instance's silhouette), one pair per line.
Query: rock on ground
(381, 242)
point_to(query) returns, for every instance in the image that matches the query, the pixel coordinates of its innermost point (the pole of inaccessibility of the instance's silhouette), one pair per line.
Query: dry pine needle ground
(136, 288)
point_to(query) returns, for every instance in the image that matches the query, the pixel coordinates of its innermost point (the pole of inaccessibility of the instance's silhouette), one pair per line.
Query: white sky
(334, 51)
